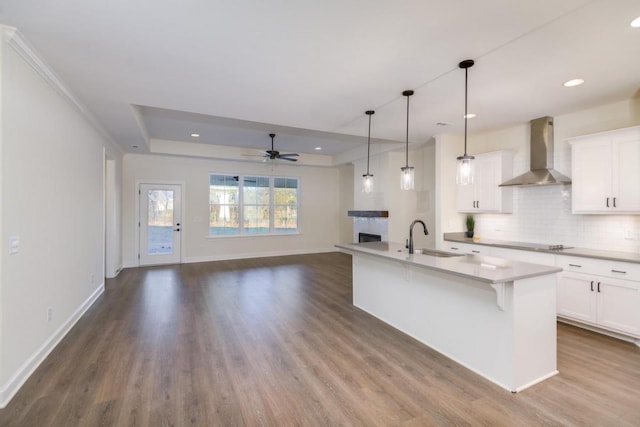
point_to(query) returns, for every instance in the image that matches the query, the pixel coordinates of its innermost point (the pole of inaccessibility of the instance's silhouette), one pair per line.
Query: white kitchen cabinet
(603, 301)
(605, 172)
(466, 248)
(484, 195)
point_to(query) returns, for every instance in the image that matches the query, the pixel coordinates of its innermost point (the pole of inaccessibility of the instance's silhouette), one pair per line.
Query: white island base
(505, 332)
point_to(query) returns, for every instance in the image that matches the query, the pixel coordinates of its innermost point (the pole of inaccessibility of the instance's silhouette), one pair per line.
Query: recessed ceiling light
(573, 82)
(636, 22)
(318, 148)
(469, 116)
(195, 135)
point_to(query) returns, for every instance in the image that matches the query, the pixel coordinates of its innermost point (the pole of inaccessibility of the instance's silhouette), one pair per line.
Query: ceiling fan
(275, 154)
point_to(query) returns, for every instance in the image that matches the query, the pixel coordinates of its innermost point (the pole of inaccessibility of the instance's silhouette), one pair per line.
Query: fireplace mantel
(369, 214)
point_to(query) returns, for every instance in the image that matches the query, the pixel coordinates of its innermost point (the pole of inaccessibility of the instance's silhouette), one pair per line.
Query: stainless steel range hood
(541, 146)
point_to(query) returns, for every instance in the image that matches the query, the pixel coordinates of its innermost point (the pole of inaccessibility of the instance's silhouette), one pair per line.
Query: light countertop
(482, 268)
(579, 252)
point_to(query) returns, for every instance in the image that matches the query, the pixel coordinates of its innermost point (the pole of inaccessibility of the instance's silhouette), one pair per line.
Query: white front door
(160, 223)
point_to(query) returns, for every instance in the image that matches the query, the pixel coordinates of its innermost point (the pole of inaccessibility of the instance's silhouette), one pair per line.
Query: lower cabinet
(466, 248)
(602, 301)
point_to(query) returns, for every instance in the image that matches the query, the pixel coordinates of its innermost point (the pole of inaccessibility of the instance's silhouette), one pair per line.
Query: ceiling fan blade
(286, 158)
(289, 155)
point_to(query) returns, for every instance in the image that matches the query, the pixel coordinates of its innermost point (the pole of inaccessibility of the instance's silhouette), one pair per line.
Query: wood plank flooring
(277, 342)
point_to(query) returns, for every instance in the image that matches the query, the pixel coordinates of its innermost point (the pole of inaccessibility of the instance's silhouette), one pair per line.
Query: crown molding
(12, 37)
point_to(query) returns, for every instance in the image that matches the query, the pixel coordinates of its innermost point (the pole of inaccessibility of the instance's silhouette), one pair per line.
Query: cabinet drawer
(524, 256)
(466, 248)
(614, 269)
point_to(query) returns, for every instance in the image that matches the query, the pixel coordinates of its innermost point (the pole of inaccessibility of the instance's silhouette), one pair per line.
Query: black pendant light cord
(407, 93)
(369, 113)
(407, 138)
(466, 64)
(466, 79)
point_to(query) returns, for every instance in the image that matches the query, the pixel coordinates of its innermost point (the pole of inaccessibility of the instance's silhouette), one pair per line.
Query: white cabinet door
(591, 176)
(467, 197)
(626, 176)
(576, 297)
(487, 191)
(605, 172)
(485, 195)
(619, 305)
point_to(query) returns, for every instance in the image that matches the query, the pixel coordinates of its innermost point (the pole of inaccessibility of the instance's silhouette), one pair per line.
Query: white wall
(52, 198)
(319, 219)
(543, 214)
(403, 206)
(346, 188)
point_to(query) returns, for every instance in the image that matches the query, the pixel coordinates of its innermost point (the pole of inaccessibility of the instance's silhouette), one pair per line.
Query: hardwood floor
(277, 342)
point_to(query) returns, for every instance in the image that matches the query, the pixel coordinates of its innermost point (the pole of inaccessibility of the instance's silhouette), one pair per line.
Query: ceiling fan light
(635, 23)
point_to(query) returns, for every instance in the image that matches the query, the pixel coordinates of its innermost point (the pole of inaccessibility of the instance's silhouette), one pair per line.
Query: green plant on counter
(471, 223)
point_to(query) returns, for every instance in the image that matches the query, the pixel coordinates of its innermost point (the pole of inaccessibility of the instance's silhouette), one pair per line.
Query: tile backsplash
(543, 215)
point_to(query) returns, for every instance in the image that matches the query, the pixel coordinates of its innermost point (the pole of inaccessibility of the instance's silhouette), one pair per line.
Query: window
(249, 205)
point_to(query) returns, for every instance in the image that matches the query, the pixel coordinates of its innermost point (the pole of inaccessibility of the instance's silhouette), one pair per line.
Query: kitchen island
(494, 316)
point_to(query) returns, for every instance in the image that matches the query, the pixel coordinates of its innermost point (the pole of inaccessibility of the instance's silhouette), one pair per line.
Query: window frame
(241, 206)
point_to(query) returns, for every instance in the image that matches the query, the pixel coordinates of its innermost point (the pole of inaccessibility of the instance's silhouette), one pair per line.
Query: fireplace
(368, 237)
(370, 225)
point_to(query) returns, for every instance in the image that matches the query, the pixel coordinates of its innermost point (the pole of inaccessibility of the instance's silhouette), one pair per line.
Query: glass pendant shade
(406, 178)
(464, 171)
(367, 183)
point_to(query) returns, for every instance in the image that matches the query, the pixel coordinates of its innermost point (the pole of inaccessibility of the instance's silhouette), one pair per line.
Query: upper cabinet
(606, 172)
(485, 195)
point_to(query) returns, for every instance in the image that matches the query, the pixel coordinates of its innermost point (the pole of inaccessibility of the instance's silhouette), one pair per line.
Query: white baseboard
(11, 387)
(225, 257)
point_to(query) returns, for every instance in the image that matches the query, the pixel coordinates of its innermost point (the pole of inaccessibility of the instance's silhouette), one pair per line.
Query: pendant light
(406, 176)
(367, 178)
(464, 171)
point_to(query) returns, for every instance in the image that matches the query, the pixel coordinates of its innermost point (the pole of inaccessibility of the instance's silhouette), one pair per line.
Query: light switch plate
(14, 245)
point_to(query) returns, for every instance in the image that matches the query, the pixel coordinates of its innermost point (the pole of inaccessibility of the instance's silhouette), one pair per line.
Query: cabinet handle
(575, 265)
(592, 286)
(476, 252)
(614, 202)
(454, 249)
(478, 204)
(598, 286)
(607, 202)
(619, 271)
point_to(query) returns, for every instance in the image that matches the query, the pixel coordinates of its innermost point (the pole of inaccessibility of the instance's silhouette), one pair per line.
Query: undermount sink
(434, 252)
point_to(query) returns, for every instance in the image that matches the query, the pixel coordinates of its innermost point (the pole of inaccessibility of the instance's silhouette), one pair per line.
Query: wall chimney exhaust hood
(541, 169)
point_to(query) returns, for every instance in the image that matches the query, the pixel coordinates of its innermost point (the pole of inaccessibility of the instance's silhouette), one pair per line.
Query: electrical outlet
(629, 234)
(49, 314)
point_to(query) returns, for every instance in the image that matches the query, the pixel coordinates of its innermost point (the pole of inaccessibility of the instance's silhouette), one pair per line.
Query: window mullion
(241, 204)
(272, 211)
